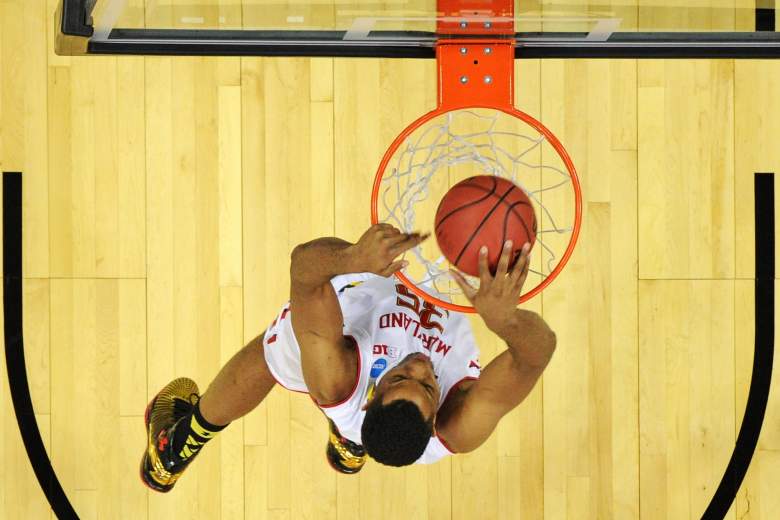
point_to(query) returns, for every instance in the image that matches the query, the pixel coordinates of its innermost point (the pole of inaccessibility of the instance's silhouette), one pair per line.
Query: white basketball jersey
(387, 322)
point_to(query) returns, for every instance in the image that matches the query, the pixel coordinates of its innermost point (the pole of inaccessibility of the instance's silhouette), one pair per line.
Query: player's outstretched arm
(506, 381)
(314, 308)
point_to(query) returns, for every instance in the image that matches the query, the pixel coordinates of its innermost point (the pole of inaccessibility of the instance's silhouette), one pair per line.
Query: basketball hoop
(476, 130)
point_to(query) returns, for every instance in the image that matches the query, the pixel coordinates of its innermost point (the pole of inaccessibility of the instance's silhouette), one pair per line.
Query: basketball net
(462, 143)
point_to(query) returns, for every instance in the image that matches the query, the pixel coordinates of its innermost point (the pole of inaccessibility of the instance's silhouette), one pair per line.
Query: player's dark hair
(395, 434)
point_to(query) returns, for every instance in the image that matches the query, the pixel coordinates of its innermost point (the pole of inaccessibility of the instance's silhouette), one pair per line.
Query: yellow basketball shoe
(172, 407)
(344, 455)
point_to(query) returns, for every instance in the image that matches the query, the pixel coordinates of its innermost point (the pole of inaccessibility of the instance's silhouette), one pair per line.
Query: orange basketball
(483, 211)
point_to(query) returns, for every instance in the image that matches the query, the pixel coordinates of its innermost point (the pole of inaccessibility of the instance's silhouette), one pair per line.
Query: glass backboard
(409, 28)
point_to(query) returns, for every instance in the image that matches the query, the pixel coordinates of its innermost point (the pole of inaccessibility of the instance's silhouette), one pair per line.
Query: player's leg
(240, 386)
(180, 422)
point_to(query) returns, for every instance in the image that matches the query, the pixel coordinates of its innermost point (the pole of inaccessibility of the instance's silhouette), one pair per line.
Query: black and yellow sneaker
(344, 455)
(170, 409)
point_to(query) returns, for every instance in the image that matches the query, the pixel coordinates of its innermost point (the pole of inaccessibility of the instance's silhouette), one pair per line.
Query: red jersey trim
(271, 370)
(357, 378)
(354, 388)
(456, 385)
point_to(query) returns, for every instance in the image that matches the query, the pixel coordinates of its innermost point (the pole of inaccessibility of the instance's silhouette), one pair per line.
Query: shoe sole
(142, 468)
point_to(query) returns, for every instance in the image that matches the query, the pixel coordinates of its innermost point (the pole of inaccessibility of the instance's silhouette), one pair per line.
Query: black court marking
(765, 16)
(763, 357)
(14, 348)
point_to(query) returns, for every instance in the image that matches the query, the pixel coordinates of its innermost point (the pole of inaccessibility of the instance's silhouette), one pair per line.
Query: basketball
(483, 211)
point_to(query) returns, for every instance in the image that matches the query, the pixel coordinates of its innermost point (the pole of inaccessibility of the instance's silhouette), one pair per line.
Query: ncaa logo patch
(378, 367)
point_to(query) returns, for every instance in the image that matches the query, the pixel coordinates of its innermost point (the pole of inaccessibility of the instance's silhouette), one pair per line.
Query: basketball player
(398, 378)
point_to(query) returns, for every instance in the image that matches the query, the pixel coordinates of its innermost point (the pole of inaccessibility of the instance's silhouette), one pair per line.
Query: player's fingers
(396, 238)
(408, 242)
(484, 271)
(382, 228)
(503, 261)
(468, 291)
(394, 267)
(522, 260)
(522, 267)
(391, 232)
(400, 244)
(422, 237)
(518, 286)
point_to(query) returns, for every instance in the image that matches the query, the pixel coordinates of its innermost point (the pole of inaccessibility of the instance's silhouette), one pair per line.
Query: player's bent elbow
(298, 262)
(551, 343)
(457, 441)
(296, 254)
(545, 352)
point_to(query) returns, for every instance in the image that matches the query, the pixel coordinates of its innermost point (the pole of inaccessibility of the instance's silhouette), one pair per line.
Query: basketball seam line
(506, 225)
(489, 193)
(486, 217)
(477, 186)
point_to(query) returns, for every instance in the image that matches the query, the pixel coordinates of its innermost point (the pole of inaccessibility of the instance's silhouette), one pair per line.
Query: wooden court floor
(162, 200)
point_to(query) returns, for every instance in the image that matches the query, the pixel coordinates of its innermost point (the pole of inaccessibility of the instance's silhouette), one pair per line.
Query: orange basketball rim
(475, 62)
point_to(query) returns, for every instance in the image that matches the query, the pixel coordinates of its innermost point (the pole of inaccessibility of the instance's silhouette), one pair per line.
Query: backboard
(410, 28)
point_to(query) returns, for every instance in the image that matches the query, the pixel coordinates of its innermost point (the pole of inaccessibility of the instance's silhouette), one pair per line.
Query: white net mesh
(460, 144)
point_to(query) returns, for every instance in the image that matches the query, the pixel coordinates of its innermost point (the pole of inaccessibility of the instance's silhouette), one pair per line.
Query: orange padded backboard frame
(475, 71)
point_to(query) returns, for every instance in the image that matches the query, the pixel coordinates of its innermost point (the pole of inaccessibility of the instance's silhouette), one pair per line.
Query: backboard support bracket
(475, 73)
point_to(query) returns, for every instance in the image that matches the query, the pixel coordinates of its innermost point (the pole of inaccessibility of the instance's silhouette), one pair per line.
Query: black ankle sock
(204, 424)
(193, 432)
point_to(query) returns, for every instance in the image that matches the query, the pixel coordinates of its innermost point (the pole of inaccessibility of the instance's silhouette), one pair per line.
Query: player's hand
(497, 296)
(378, 248)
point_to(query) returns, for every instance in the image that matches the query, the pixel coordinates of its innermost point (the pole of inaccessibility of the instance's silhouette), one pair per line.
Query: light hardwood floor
(164, 195)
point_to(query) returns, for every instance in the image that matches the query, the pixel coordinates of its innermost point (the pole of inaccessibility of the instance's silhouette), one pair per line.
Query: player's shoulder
(454, 399)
